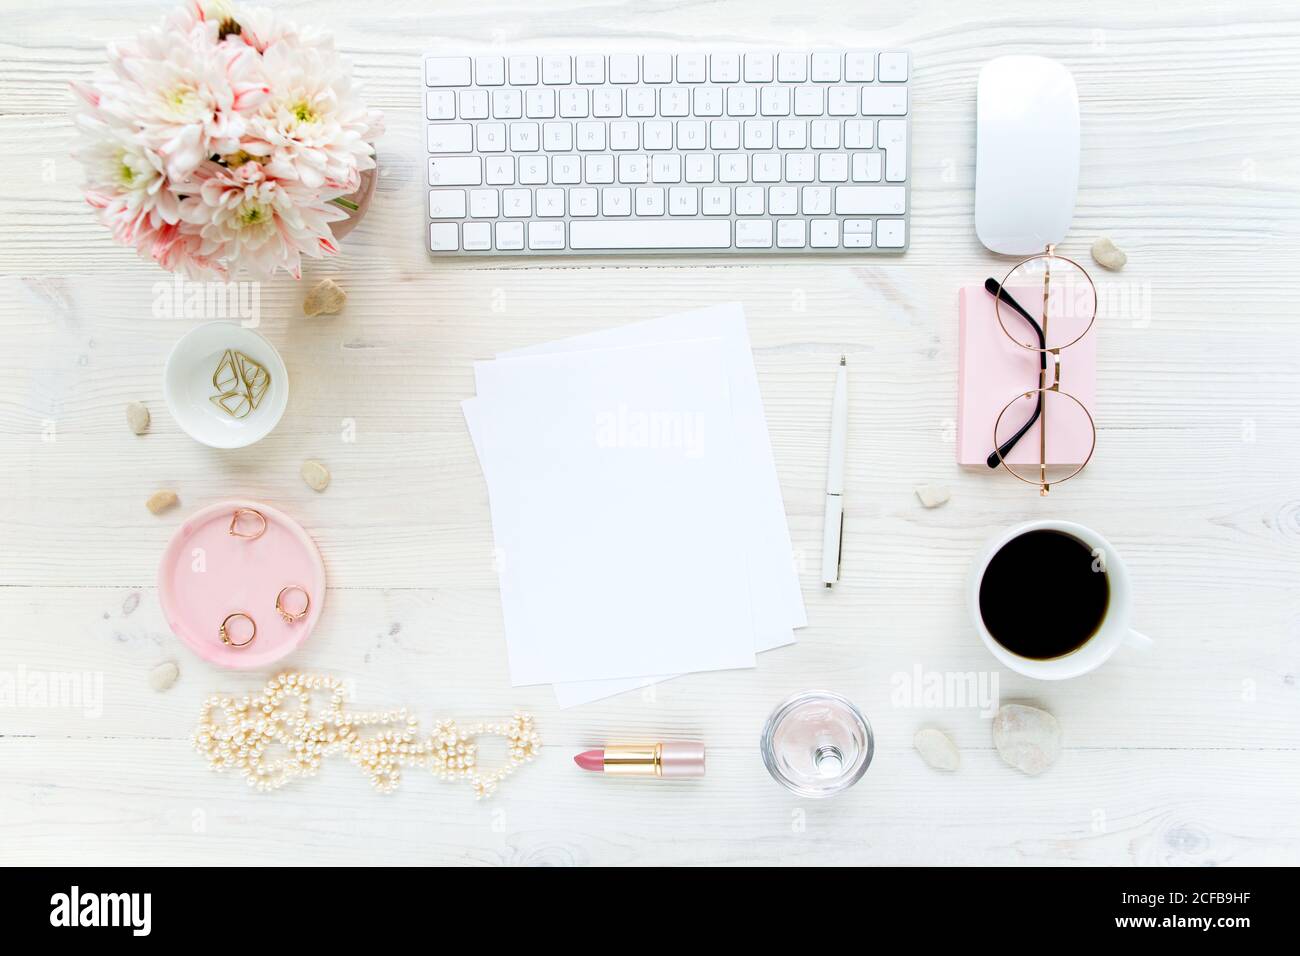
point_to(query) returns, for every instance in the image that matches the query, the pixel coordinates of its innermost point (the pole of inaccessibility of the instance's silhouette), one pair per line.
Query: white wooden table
(1187, 755)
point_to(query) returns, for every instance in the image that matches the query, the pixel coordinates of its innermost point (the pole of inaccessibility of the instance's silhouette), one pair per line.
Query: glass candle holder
(817, 744)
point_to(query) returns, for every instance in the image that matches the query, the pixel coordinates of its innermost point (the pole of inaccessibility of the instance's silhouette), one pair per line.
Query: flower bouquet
(225, 137)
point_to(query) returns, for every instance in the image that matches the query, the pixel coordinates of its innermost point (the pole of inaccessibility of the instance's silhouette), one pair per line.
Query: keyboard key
(455, 171)
(477, 236)
(790, 234)
(792, 67)
(557, 70)
(833, 168)
(650, 201)
(733, 168)
(893, 68)
(824, 233)
(607, 102)
(884, 100)
(500, 170)
(525, 138)
(892, 137)
(716, 201)
(699, 168)
(574, 103)
(591, 136)
(624, 135)
(758, 134)
(859, 134)
(522, 70)
(444, 237)
(742, 101)
(566, 170)
(783, 201)
(749, 201)
(724, 134)
(490, 71)
(706, 101)
(692, 134)
(870, 200)
(641, 101)
(890, 233)
(657, 134)
(683, 201)
(633, 168)
(546, 235)
(623, 68)
(754, 234)
(440, 105)
(484, 204)
(799, 168)
(809, 101)
(654, 234)
(674, 101)
(518, 203)
(539, 104)
(767, 168)
(557, 137)
(473, 104)
(758, 68)
(447, 71)
(860, 67)
(816, 200)
(826, 67)
(590, 68)
(867, 167)
(600, 169)
(507, 104)
(550, 203)
(451, 138)
(666, 169)
(857, 233)
(532, 170)
(825, 134)
(724, 68)
(692, 67)
(583, 202)
(491, 137)
(657, 68)
(616, 201)
(510, 235)
(842, 101)
(774, 101)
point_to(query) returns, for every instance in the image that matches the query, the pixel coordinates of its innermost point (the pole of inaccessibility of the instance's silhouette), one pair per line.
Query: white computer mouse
(1026, 154)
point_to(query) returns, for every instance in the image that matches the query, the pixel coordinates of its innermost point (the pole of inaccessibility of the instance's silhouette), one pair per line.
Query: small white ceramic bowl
(188, 389)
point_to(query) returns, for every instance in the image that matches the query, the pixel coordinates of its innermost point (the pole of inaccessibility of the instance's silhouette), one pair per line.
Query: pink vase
(365, 192)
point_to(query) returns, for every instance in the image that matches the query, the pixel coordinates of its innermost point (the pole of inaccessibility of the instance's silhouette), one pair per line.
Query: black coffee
(1041, 597)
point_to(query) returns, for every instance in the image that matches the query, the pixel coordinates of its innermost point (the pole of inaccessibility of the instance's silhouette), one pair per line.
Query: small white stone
(137, 416)
(315, 474)
(164, 675)
(937, 749)
(1108, 255)
(1027, 738)
(932, 496)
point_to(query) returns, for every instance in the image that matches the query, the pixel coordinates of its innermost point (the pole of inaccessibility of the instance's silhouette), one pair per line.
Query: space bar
(651, 234)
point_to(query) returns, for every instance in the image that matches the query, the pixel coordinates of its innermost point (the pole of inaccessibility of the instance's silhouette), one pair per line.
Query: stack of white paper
(636, 513)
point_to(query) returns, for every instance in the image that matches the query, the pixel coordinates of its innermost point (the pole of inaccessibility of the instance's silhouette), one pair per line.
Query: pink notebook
(991, 370)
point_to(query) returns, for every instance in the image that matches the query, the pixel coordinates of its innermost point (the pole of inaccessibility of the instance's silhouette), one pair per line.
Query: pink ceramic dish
(206, 573)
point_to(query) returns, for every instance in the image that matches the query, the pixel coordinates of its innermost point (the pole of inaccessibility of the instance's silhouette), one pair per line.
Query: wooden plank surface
(1184, 755)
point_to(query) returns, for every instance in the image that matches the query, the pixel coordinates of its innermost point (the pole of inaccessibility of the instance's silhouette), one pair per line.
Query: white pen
(833, 532)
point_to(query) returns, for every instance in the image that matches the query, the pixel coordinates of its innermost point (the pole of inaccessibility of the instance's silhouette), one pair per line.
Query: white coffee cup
(1113, 632)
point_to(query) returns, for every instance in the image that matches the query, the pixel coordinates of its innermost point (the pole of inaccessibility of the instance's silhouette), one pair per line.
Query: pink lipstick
(672, 758)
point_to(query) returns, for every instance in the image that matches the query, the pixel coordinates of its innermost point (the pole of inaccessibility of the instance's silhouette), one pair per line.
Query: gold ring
(291, 616)
(225, 635)
(234, 528)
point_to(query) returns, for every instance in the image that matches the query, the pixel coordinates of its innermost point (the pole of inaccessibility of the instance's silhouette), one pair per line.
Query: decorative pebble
(164, 675)
(932, 496)
(1108, 255)
(137, 416)
(315, 474)
(160, 501)
(1027, 738)
(325, 298)
(937, 749)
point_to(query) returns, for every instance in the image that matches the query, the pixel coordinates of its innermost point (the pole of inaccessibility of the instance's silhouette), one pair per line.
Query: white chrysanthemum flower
(313, 127)
(247, 217)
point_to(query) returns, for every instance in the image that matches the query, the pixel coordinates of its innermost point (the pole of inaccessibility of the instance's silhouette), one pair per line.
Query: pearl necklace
(252, 725)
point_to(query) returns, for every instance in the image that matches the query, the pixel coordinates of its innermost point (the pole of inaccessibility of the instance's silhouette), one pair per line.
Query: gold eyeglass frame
(1044, 486)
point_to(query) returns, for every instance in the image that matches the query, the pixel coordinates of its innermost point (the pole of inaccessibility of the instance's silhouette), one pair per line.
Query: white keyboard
(729, 152)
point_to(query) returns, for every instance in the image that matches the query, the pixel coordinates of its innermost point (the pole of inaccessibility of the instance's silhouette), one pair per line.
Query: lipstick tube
(672, 759)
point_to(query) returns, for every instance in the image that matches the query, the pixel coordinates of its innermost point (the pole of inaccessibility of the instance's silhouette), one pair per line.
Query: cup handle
(1139, 641)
